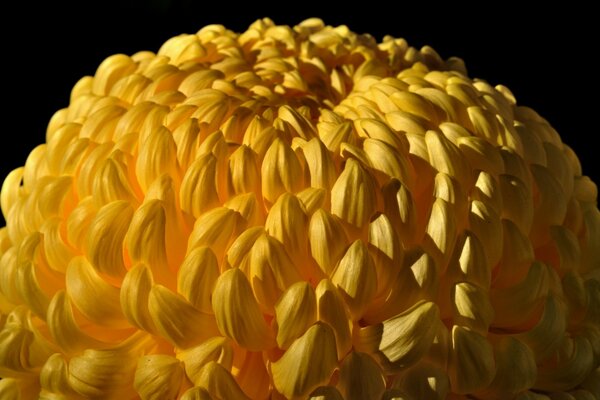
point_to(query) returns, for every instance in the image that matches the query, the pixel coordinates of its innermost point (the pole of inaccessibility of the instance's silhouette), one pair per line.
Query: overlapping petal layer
(298, 213)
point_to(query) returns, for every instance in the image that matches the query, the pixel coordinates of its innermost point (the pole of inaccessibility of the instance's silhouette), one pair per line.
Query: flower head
(294, 213)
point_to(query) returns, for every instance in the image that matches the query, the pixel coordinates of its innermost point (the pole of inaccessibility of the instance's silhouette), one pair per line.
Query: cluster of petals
(293, 213)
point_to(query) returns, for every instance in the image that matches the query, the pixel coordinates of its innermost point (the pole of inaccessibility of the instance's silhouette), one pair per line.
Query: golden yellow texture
(292, 213)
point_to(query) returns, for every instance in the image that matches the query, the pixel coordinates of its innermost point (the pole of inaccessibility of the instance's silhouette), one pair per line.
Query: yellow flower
(294, 213)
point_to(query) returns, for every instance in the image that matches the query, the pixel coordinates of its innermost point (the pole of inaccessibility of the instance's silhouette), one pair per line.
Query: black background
(545, 55)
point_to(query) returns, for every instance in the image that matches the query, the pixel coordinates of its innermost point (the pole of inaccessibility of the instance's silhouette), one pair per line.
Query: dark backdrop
(545, 56)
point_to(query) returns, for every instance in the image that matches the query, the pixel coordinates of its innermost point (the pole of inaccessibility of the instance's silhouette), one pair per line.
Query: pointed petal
(424, 381)
(85, 287)
(281, 171)
(177, 320)
(331, 309)
(219, 382)
(198, 191)
(145, 240)
(295, 312)
(197, 276)
(271, 271)
(472, 366)
(515, 368)
(471, 307)
(158, 376)
(216, 229)
(308, 363)
(288, 223)
(360, 377)
(237, 312)
(356, 277)
(104, 247)
(135, 291)
(217, 349)
(328, 240)
(353, 196)
(404, 339)
(320, 164)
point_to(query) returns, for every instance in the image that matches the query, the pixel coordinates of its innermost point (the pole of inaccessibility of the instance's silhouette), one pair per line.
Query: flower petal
(197, 276)
(295, 311)
(360, 377)
(217, 349)
(472, 366)
(177, 320)
(237, 312)
(308, 363)
(356, 278)
(158, 376)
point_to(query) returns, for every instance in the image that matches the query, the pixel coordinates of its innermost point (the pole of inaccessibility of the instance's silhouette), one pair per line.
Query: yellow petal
(271, 271)
(441, 232)
(356, 277)
(386, 251)
(217, 349)
(515, 368)
(134, 294)
(198, 189)
(575, 361)
(281, 171)
(111, 183)
(472, 307)
(446, 157)
(295, 311)
(11, 188)
(287, 222)
(237, 312)
(54, 378)
(64, 329)
(177, 320)
(517, 202)
(308, 363)
(197, 277)
(320, 164)
(328, 240)
(219, 382)
(239, 251)
(472, 364)
(517, 256)
(331, 309)
(472, 263)
(360, 377)
(244, 173)
(85, 287)
(481, 154)
(56, 250)
(216, 229)
(402, 340)
(106, 373)
(487, 226)
(387, 159)
(145, 239)
(157, 155)
(526, 296)
(424, 381)
(401, 209)
(353, 196)
(158, 376)
(105, 238)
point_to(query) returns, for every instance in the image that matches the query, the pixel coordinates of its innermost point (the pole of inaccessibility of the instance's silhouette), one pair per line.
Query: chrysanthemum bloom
(294, 213)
